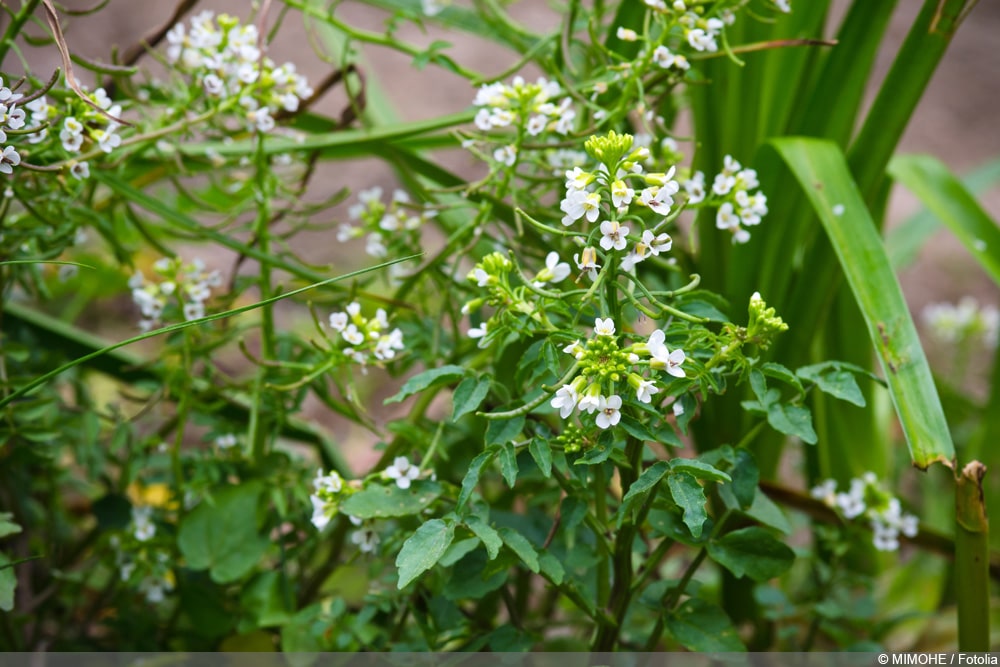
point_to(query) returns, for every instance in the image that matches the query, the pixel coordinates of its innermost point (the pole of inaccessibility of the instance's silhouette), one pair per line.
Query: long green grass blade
(903, 243)
(822, 171)
(945, 196)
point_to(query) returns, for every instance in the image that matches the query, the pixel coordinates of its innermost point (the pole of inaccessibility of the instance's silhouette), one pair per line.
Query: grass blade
(822, 171)
(945, 196)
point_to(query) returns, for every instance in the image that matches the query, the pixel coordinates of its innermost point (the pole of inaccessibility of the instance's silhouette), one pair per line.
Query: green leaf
(469, 395)
(8, 582)
(700, 626)
(746, 476)
(502, 431)
(221, 535)
(792, 420)
(641, 487)
(423, 550)
(486, 534)
(508, 463)
(596, 455)
(471, 478)
(752, 552)
(823, 174)
(7, 525)
(429, 378)
(779, 372)
(945, 196)
(380, 502)
(837, 383)
(520, 545)
(690, 497)
(551, 568)
(700, 470)
(542, 453)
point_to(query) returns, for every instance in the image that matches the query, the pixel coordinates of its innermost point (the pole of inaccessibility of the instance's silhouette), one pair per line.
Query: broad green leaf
(641, 487)
(822, 172)
(508, 463)
(779, 372)
(486, 534)
(542, 453)
(423, 550)
(7, 525)
(945, 196)
(792, 420)
(690, 497)
(752, 552)
(429, 378)
(221, 536)
(8, 582)
(471, 478)
(701, 626)
(551, 568)
(837, 383)
(264, 598)
(503, 431)
(469, 395)
(700, 470)
(458, 550)
(380, 502)
(520, 545)
(746, 476)
(765, 511)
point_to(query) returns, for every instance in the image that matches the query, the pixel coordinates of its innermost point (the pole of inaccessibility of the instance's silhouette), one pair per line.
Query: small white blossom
(608, 411)
(613, 235)
(402, 471)
(605, 327)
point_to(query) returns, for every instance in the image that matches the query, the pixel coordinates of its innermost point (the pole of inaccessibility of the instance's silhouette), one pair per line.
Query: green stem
(972, 560)
(262, 419)
(601, 513)
(14, 29)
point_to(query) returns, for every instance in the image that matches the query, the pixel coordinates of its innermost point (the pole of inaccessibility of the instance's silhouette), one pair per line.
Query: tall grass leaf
(822, 171)
(945, 196)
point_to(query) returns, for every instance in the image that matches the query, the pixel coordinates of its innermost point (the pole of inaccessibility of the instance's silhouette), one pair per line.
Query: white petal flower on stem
(726, 218)
(613, 235)
(621, 193)
(605, 327)
(590, 400)
(565, 400)
(662, 357)
(626, 34)
(646, 390)
(402, 471)
(478, 332)
(352, 335)
(366, 539)
(658, 243)
(608, 411)
(587, 261)
(226, 441)
(338, 321)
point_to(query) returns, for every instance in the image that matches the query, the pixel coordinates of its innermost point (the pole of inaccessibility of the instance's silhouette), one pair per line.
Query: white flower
(352, 335)
(662, 357)
(658, 198)
(9, 159)
(194, 310)
(578, 179)
(587, 261)
(575, 349)
(613, 235)
(626, 34)
(536, 125)
(578, 204)
(402, 471)
(506, 155)
(329, 484)
(826, 491)
(226, 441)
(726, 218)
(590, 400)
(646, 390)
(366, 539)
(478, 332)
(608, 411)
(695, 188)
(658, 243)
(555, 270)
(565, 400)
(621, 194)
(322, 512)
(605, 327)
(852, 504)
(338, 321)
(80, 170)
(663, 57)
(142, 519)
(482, 278)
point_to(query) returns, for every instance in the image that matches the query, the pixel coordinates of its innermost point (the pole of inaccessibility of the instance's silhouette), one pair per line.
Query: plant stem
(14, 29)
(262, 419)
(972, 560)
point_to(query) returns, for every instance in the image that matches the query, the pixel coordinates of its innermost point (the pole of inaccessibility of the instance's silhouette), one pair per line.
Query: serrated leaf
(701, 626)
(508, 463)
(486, 534)
(542, 453)
(690, 497)
(221, 536)
(471, 478)
(423, 550)
(752, 552)
(428, 378)
(700, 470)
(792, 420)
(469, 395)
(520, 545)
(380, 502)
(502, 431)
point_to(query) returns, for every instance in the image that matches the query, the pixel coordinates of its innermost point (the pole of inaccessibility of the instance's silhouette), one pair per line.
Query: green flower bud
(764, 322)
(609, 149)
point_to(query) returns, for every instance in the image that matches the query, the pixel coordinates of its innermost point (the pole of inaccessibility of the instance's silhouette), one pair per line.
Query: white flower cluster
(325, 497)
(225, 59)
(738, 208)
(865, 498)
(402, 471)
(189, 284)
(962, 322)
(149, 567)
(364, 338)
(11, 118)
(522, 104)
(603, 365)
(384, 225)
